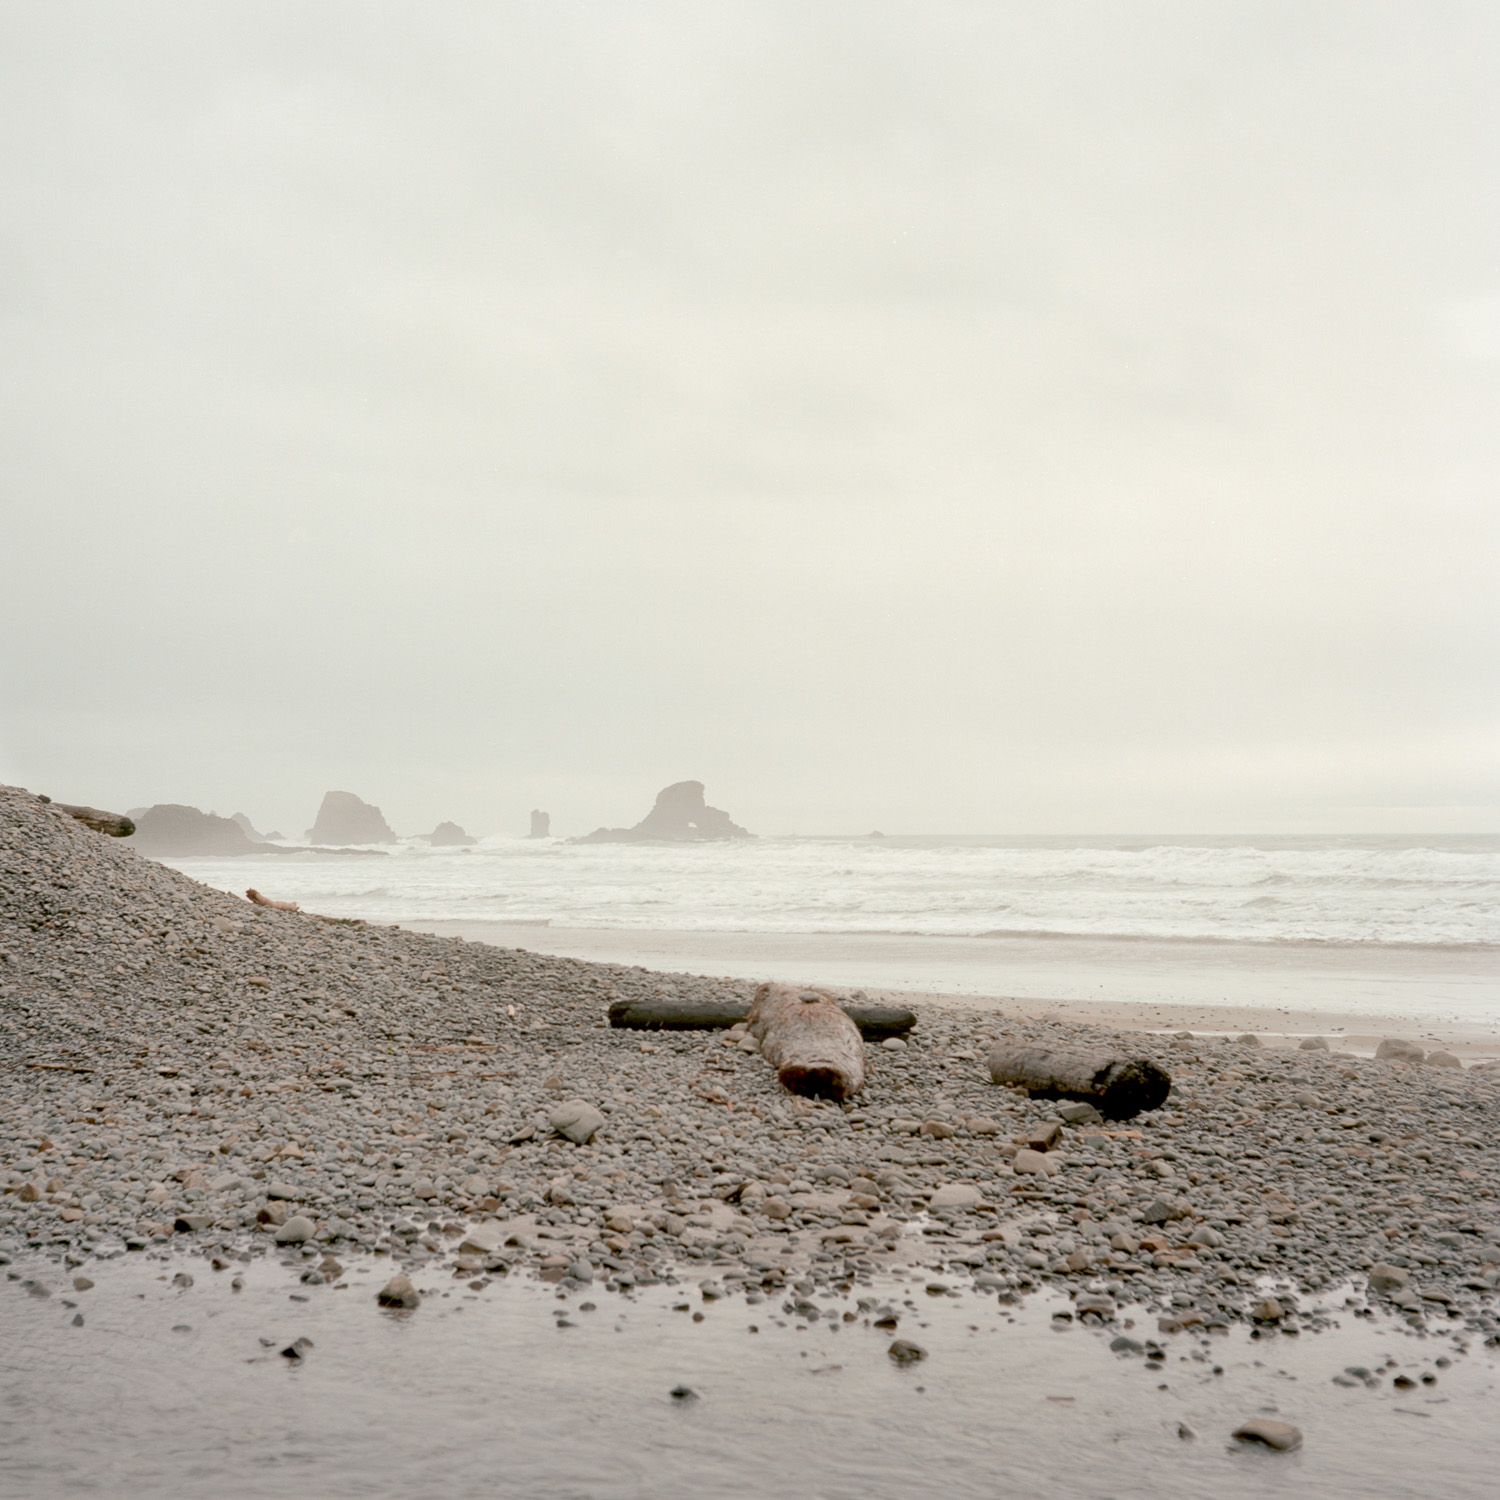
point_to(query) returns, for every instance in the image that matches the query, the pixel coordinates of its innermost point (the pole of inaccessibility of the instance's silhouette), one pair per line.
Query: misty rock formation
(344, 819)
(170, 828)
(449, 836)
(249, 828)
(680, 816)
(541, 825)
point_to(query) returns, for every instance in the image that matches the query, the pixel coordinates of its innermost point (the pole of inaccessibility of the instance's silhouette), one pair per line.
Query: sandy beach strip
(1353, 995)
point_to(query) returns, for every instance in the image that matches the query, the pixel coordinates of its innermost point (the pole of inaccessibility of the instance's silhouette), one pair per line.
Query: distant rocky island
(345, 819)
(174, 830)
(679, 816)
(450, 836)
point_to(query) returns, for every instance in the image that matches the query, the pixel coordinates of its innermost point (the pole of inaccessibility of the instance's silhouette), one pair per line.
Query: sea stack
(680, 816)
(450, 836)
(344, 819)
(541, 825)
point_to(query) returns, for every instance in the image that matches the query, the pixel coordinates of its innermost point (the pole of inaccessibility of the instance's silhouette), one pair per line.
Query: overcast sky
(930, 416)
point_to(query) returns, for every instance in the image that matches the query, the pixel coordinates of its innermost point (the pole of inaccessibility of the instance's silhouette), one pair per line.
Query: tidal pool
(177, 1391)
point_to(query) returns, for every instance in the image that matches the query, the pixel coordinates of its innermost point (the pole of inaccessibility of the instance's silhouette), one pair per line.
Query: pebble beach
(191, 1076)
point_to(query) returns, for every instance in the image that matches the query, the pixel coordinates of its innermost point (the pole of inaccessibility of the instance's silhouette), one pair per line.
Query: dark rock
(904, 1352)
(684, 1393)
(450, 836)
(680, 816)
(172, 829)
(344, 819)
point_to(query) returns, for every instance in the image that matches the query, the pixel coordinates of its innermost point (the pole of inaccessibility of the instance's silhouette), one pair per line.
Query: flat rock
(955, 1195)
(1044, 1163)
(1270, 1433)
(577, 1120)
(1387, 1278)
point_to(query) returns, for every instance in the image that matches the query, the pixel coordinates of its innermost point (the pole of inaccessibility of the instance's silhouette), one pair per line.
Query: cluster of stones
(183, 1070)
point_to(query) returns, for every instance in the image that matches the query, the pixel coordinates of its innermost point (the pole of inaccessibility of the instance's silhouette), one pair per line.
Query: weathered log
(805, 1035)
(875, 1022)
(260, 900)
(116, 825)
(1117, 1086)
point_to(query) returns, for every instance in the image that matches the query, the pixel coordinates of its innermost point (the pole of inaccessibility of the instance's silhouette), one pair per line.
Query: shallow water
(183, 1392)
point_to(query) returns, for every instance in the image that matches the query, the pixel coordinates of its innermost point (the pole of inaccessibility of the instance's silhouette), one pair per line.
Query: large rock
(1397, 1049)
(170, 828)
(541, 824)
(344, 819)
(577, 1120)
(680, 816)
(450, 836)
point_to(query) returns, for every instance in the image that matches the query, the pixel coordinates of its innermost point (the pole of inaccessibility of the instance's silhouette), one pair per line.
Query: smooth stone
(1387, 1278)
(577, 1120)
(1281, 1436)
(1040, 1162)
(1395, 1049)
(295, 1230)
(399, 1292)
(904, 1352)
(955, 1195)
(282, 1190)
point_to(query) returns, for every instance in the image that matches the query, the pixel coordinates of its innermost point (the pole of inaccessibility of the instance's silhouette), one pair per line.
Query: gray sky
(968, 417)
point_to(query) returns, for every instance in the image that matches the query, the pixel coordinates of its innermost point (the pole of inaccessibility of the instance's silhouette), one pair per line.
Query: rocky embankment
(184, 1069)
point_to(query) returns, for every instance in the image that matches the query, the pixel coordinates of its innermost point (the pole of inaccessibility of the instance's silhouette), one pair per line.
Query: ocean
(1438, 892)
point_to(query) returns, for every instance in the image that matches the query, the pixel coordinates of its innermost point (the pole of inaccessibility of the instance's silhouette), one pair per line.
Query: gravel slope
(182, 1068)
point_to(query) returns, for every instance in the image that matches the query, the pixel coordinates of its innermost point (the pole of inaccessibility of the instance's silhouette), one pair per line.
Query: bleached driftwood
(260, 900)
(1118, 1086)
(805, 1035)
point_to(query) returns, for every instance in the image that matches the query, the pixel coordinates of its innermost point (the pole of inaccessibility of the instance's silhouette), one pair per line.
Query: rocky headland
(680, 815)
(183, 1069)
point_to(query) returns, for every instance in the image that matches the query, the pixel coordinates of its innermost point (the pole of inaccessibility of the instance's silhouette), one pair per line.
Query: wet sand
(523, 1389)
(1353, 995)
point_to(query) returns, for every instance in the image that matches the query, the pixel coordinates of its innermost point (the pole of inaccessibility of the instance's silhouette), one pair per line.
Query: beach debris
(805, 1035)
(1269, 1433)
(1117, 1086)
(259, 900)
(116, 825)
(876, 1023)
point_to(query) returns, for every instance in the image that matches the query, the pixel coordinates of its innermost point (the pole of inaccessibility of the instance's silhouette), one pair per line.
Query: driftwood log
(805, 1035)
(875, 1022)
(1117, 1086)
(260, 900)
(116, 825)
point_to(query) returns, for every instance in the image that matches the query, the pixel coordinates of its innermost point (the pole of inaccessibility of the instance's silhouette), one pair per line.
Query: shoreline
(187, 1073)
(1353, 996)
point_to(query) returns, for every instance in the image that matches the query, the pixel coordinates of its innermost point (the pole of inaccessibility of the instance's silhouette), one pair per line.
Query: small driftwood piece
(116, 825)
(805, 1035)
(260, 900)
(875, 1022)
(1117, 1086)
